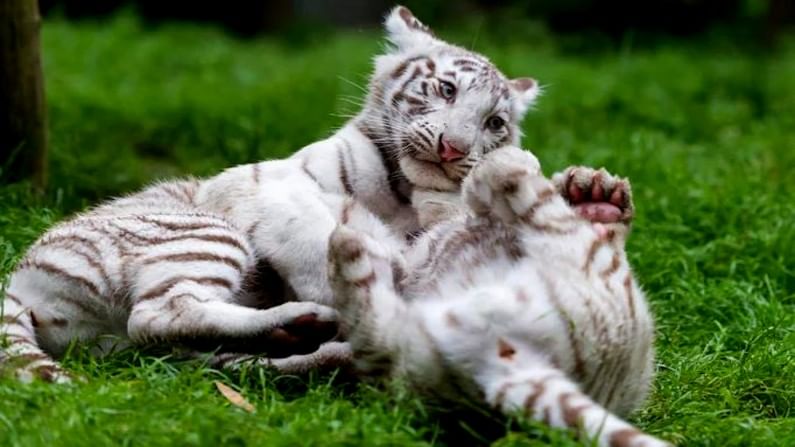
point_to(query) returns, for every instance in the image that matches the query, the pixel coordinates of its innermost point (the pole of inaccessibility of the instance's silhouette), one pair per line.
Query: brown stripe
(346, 182)
(57, 271)
(462, 62)
(401, 93)
(154, 240)
(452, 320)
(543, 198)
(19, 340)
(165, 286)
(47, 372)
(623, 437)
(630, 296)
(365, 282)
(615, 263)
(13, 298)
(347, 207)
(531, 399)
(195, 257)
(11, 319)
(176, 226)
(589, 257)
(93, 263)
(305, 168)
(401, 69)
(571, 415)
(55, 239)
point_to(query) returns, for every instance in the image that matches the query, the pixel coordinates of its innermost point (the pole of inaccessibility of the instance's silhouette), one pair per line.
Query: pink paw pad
(597, 195)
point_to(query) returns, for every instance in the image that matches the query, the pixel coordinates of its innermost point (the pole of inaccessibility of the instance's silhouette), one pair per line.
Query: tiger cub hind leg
(187, 294)
(547, 395)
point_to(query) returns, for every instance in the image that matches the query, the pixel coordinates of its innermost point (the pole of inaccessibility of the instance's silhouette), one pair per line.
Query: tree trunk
(23, 114)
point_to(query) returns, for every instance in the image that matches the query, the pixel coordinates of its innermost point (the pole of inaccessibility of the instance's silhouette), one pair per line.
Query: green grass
(705, 132)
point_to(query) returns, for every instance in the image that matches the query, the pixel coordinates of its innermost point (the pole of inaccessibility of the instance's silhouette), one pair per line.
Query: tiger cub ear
(526, 90)
(405, 31)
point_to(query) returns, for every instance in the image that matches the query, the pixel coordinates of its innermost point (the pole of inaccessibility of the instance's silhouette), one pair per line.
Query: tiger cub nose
(449, 152)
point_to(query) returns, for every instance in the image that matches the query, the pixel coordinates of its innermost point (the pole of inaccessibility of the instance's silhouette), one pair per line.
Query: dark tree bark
(23, 114)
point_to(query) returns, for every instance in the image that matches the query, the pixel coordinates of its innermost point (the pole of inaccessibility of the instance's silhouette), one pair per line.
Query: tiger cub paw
(596, 194)
(356, 264)
(506, 184)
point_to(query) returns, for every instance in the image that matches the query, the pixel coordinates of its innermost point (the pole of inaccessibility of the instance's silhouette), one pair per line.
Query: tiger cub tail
(20, 353)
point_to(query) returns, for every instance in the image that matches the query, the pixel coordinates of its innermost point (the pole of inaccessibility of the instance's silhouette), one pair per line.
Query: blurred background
(613, 18)
(136, 90)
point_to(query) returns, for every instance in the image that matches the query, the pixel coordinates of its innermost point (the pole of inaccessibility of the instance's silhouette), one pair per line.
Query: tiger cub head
(437, 108)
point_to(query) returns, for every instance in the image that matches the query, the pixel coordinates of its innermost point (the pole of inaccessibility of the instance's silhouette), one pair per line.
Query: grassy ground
(704, 131)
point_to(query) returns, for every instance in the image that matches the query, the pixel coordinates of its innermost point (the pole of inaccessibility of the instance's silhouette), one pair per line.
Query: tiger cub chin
(525, 302)
(238, 261)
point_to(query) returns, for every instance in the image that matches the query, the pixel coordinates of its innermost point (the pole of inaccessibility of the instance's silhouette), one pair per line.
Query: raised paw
(596, 194)
(362, 278)
(356, 261)
(507, 184)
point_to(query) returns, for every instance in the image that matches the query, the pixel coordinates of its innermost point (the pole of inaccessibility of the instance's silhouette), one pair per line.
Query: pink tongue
(449, 153)
(602, 212)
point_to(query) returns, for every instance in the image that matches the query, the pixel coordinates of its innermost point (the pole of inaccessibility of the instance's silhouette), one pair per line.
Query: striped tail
(547, 395)
(20, 354)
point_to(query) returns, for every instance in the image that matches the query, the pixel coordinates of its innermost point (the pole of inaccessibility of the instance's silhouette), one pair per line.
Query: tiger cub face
(440, 107)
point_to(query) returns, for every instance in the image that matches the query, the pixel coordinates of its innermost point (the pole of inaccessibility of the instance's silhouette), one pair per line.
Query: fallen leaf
(234, 397)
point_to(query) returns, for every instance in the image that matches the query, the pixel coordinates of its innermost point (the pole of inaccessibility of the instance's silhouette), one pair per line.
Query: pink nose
(448, 152)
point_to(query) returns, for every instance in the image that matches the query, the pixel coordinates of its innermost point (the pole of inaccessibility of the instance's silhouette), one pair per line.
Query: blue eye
(495, 123)
(446, 89)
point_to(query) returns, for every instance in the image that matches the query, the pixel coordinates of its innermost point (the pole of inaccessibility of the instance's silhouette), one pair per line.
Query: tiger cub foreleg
(372, 313)
(334, 354)
(508, 185)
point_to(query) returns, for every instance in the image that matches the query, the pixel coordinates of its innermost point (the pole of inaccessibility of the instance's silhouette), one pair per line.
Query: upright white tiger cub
(171, 263)
(520, 303)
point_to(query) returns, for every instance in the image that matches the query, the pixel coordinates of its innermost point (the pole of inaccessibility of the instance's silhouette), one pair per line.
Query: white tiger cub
(171, 263)
(521, 304)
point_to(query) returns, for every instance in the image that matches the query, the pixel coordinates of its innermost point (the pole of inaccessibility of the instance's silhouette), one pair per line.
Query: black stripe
(137, 239)
(346, 181)
(305, 167)
(13, 298)
(57, 271)
(165, 286)
(394, 175)
(195, 257)
(178, 226)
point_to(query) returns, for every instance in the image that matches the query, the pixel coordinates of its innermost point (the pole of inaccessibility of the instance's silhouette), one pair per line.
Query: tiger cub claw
(596, 194)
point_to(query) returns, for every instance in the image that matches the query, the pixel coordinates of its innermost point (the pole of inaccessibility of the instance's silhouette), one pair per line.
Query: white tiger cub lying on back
(170, 264)
(520, 304)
